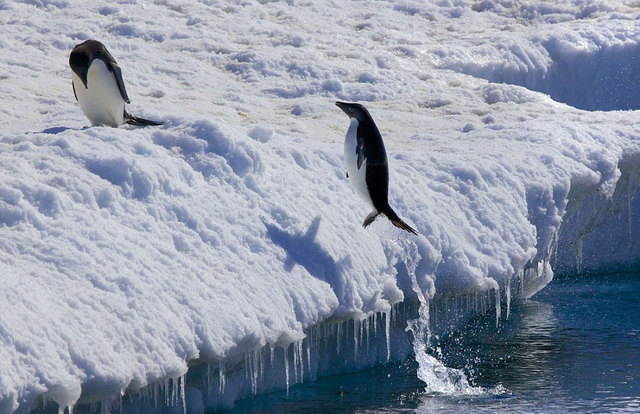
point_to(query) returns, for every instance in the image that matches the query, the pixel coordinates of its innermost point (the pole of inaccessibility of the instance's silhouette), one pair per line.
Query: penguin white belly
(357, 177)
(100, 101)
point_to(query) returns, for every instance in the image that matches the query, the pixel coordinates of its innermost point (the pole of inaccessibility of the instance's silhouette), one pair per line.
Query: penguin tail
(397, 221)
(134, 120)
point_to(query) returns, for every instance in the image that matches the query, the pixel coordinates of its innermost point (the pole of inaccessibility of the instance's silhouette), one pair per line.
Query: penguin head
(354, 110)
(79, 60)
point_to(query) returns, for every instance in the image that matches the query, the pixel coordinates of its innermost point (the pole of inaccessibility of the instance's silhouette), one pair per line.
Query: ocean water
(574, 347)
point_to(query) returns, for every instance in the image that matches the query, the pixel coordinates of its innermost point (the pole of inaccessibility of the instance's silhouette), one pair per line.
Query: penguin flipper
(360, 150)
(361, 157)
(134, 120)
(107, 58)
(369, 219)
(117, 72)
(397, 221)
(74, 91)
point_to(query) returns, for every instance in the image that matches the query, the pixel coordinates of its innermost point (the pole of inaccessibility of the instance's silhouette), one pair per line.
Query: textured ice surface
(128, 254)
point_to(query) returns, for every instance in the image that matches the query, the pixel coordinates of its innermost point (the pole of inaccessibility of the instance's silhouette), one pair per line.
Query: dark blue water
(574, 347)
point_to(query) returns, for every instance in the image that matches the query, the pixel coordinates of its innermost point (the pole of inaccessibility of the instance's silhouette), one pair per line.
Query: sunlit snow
(229, 240)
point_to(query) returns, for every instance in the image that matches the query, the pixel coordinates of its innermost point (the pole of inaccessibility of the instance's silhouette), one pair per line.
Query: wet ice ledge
(331, 347)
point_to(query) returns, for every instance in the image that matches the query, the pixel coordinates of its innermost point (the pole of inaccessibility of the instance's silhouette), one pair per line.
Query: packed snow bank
(143, 261)
(589, 64)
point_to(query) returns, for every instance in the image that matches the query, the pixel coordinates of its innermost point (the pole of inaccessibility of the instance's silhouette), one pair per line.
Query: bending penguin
(366, 162)
(98, 86)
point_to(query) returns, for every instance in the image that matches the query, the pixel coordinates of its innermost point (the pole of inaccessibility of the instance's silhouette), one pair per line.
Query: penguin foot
(369, 219)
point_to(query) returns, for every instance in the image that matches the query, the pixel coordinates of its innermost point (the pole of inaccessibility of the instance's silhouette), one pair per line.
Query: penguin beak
(343, 106)
(82, 74)
(83, 78)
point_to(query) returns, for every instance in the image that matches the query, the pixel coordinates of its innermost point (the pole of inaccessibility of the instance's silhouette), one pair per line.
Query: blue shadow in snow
(302, 249)
(55, 130)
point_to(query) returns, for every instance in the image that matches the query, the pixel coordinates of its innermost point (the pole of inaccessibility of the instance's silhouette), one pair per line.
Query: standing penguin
(366, 161)
(98, 86)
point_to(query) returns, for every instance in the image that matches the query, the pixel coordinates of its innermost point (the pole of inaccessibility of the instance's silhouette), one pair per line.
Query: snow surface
(127, 255)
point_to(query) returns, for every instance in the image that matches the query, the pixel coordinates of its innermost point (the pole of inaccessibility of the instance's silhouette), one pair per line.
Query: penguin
(98, 86)
(366, 163)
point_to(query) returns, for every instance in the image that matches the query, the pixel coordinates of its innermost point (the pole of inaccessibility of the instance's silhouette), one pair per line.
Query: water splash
(437, 377)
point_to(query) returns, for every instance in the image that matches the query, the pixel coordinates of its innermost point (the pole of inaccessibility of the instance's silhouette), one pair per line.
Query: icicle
(338, 334)
(387, 328)
(246, 367)
(498, 310)
(375, 324)
(286, 367)
(174, 392)
(295, 363)
(507, 290)
(521, 281)
(271, 348)
(156, 394)
(367, 330)
(309, 356)
(261, 362)
(222, 377)
(555, 246)
(250, 370)
(629, 198)
(393, 313)
(254, 372)
(301, 359)
(257, 367)
(183, 394)
(355, 339)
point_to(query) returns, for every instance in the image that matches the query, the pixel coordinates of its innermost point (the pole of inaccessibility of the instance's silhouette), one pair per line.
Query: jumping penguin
(98, 86)
(366, 162)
